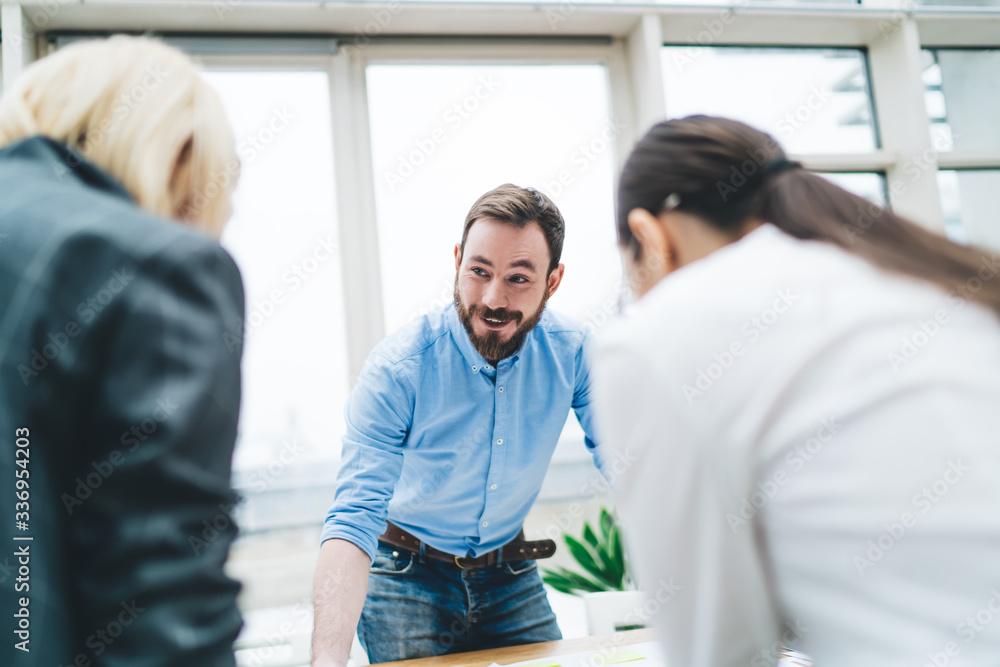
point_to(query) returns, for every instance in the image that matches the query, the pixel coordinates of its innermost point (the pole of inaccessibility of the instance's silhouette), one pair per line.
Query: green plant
(602, 557)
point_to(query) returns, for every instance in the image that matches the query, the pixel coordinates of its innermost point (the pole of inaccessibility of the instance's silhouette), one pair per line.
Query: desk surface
(505, 656)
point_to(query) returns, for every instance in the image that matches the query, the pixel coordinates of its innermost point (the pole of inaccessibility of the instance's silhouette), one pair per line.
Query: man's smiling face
(502, 284)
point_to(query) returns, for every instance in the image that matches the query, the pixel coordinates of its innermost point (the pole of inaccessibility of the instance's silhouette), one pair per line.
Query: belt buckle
(460, 566)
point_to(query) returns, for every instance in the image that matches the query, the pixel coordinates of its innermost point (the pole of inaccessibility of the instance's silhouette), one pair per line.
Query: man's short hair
(519, 206)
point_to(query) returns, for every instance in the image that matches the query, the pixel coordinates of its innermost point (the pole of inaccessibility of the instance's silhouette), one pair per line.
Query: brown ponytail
(726, 173)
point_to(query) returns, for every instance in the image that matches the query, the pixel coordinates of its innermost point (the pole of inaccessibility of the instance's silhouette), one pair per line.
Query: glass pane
(963, 98)
(812, 100)
(869, 185)
(284, 237)
(442, 135)
(969, 202)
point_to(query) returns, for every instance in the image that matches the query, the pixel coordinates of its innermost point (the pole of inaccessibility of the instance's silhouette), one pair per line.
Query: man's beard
(490, 346)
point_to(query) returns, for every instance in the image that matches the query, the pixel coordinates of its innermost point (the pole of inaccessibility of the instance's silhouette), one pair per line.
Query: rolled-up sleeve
(378, 415)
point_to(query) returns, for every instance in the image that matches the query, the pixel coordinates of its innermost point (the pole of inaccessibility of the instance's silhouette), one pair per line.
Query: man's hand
(339, 590)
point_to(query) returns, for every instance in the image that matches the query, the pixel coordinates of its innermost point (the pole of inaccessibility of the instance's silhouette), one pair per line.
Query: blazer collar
(58, 162)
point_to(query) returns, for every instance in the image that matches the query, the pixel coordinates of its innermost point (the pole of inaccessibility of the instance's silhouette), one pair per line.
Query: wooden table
(505, 656)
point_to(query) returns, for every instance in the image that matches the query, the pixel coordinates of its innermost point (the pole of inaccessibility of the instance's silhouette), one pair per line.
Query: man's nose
(495, 296)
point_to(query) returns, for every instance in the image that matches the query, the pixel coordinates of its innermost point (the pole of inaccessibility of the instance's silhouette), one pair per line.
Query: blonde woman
(118, 393)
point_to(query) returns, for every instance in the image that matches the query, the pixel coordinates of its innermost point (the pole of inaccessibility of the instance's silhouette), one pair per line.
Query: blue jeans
(417, 609)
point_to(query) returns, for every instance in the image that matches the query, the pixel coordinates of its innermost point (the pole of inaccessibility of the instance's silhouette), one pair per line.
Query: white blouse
(816, 458)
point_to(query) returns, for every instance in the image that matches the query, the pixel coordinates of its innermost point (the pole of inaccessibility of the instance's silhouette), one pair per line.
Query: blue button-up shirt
(449, 447)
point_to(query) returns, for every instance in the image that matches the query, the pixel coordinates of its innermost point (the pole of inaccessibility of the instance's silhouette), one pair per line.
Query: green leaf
(619, 555)
(586, 560)
(558, 582)
(614, 569)
(607, 523)
(589, 536)
(585, 584)
(570, 582)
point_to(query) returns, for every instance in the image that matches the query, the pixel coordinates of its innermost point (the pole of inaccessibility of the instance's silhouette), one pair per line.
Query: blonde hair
(139, 110)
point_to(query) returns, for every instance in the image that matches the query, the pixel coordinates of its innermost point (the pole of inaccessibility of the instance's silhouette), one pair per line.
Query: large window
(284, 237)
(963, 104)
(810, 100)
(963, 98)
(968, 197)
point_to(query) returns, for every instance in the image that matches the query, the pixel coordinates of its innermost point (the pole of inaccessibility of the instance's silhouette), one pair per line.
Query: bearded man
(450, 430)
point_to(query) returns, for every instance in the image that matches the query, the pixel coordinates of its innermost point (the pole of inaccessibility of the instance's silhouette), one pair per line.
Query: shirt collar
(473, 359)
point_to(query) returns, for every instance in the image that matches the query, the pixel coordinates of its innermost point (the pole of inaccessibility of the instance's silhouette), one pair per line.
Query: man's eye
(478, 271)
(519, 279)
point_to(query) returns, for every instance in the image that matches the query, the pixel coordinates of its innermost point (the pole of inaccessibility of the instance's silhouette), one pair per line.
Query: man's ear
(658, 248)
(458, 255)
(555, 278)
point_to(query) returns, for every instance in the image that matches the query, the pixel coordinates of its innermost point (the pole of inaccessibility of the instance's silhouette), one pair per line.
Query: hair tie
(778, 165)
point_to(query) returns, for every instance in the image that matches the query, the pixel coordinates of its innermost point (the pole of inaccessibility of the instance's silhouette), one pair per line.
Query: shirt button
(499, 441)
(501, 390)
(475, 368)
(494, 486)
(485, 523)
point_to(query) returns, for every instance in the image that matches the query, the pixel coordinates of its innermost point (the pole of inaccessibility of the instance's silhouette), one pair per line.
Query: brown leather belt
(516, 550)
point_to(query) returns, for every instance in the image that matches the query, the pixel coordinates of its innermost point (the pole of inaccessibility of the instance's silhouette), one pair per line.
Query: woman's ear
(656, 257)
(657, 245)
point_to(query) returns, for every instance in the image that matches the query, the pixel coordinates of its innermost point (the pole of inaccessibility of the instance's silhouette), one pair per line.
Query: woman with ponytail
(809, 387)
